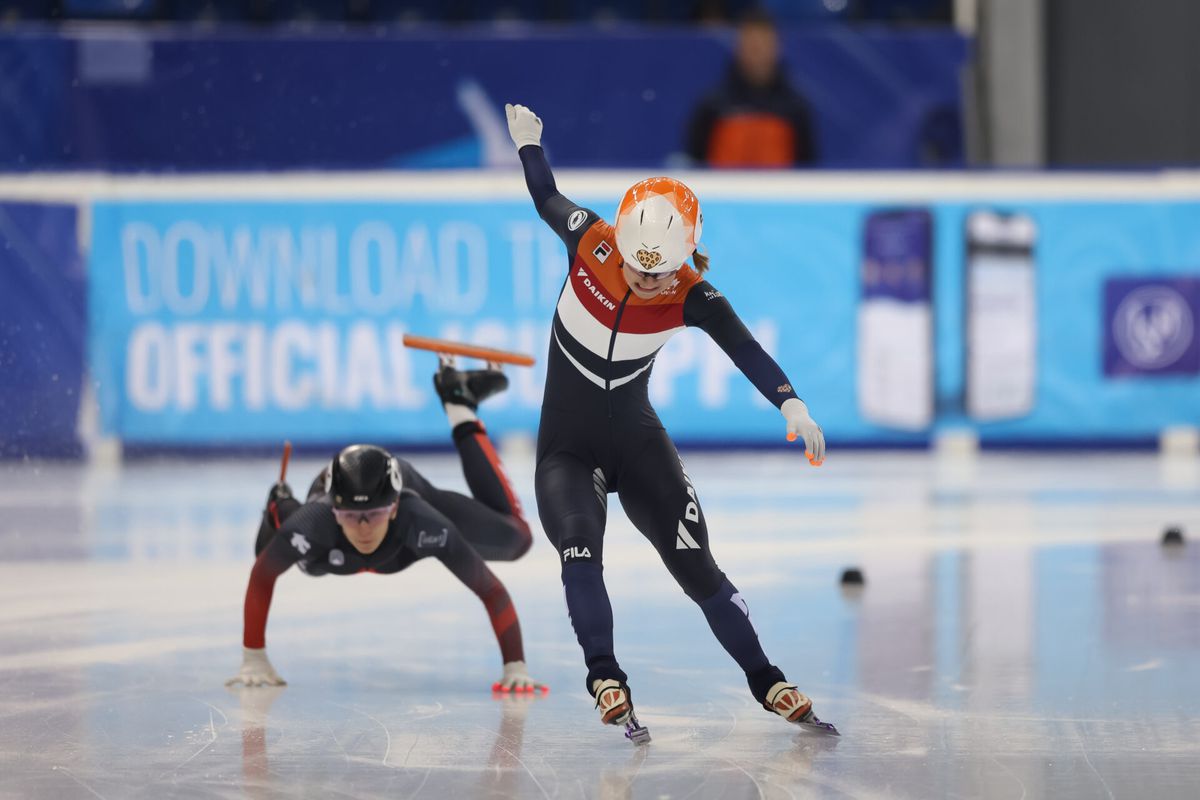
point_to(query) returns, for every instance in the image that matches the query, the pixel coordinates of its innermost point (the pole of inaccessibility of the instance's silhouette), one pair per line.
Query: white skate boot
(613, 701)
(793, 705)
(616, 708)
(788, 702)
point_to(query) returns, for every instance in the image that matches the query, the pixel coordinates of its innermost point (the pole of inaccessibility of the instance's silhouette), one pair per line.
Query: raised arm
(568, 220)
(707, 309)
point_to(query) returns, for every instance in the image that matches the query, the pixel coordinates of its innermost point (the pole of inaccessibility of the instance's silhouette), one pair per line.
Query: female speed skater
(370, 511)
(628, 290)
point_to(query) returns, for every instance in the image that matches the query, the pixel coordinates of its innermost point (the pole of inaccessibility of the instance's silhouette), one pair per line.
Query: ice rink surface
(1021, 634)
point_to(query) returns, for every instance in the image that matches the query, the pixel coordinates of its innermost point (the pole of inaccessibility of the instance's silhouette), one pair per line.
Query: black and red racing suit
(457, 530)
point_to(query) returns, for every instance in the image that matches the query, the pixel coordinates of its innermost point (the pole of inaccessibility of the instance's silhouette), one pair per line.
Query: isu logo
(576, 219)
(1153, 327)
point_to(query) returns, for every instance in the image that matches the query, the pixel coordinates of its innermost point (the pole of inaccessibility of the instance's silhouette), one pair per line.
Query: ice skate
(280, 502)
(793, 705)
(467, 387)
(614, 700)
(280, 491)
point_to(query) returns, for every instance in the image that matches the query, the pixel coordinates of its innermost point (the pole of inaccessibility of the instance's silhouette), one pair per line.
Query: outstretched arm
(256, 669)
(707, 309)
(468, 567)
(459, 557)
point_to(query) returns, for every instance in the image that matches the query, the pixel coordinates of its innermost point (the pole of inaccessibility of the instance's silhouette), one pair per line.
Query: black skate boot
(280, 491)
(469, 387)
(280, 504)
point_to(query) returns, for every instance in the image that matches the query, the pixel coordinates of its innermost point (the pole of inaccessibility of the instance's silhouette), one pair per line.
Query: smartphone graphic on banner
(895, 320)
(1000, 315)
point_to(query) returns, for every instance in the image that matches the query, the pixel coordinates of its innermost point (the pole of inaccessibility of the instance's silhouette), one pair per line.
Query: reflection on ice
(1021, 632)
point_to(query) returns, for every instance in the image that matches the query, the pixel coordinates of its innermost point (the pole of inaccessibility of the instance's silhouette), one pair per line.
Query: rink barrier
(1100, 238)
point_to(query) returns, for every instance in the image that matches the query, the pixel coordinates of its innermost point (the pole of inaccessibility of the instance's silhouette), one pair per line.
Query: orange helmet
(658, 225)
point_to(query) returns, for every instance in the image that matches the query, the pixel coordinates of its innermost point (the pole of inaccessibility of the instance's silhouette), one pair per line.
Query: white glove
(523, 125)
(799, 423)
(256, 670)
(516, 679)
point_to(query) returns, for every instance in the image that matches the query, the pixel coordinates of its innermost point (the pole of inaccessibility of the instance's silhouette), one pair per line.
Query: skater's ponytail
(700, 260)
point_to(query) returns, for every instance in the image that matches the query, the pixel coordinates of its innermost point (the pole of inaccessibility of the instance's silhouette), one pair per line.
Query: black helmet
(363, 476)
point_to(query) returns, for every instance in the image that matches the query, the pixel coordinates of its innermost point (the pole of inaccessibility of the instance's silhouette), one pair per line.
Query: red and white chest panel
(596, 300)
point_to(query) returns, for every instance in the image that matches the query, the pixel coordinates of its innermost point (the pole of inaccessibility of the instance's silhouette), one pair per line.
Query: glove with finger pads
(523, 125)
(516, 679)
(256, 670)
(800, 424)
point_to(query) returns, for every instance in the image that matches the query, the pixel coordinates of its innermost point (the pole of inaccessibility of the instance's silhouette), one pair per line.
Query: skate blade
(638, 734)
(817, 726)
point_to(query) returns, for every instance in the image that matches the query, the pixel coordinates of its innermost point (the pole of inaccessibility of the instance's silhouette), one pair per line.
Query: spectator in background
(755, 118)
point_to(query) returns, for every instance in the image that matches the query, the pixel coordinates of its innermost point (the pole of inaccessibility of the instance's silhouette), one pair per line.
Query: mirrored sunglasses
(654, 276)
(371, 516)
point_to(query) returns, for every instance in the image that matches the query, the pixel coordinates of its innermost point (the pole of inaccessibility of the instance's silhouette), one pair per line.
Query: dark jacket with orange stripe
(742, 125)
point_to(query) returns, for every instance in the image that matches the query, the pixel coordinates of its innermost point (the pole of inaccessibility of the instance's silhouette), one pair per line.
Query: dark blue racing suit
(599, 434)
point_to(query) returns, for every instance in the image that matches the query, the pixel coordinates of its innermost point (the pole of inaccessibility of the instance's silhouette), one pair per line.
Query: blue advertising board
(246, 322)
(1080, 245)
(43, 330)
